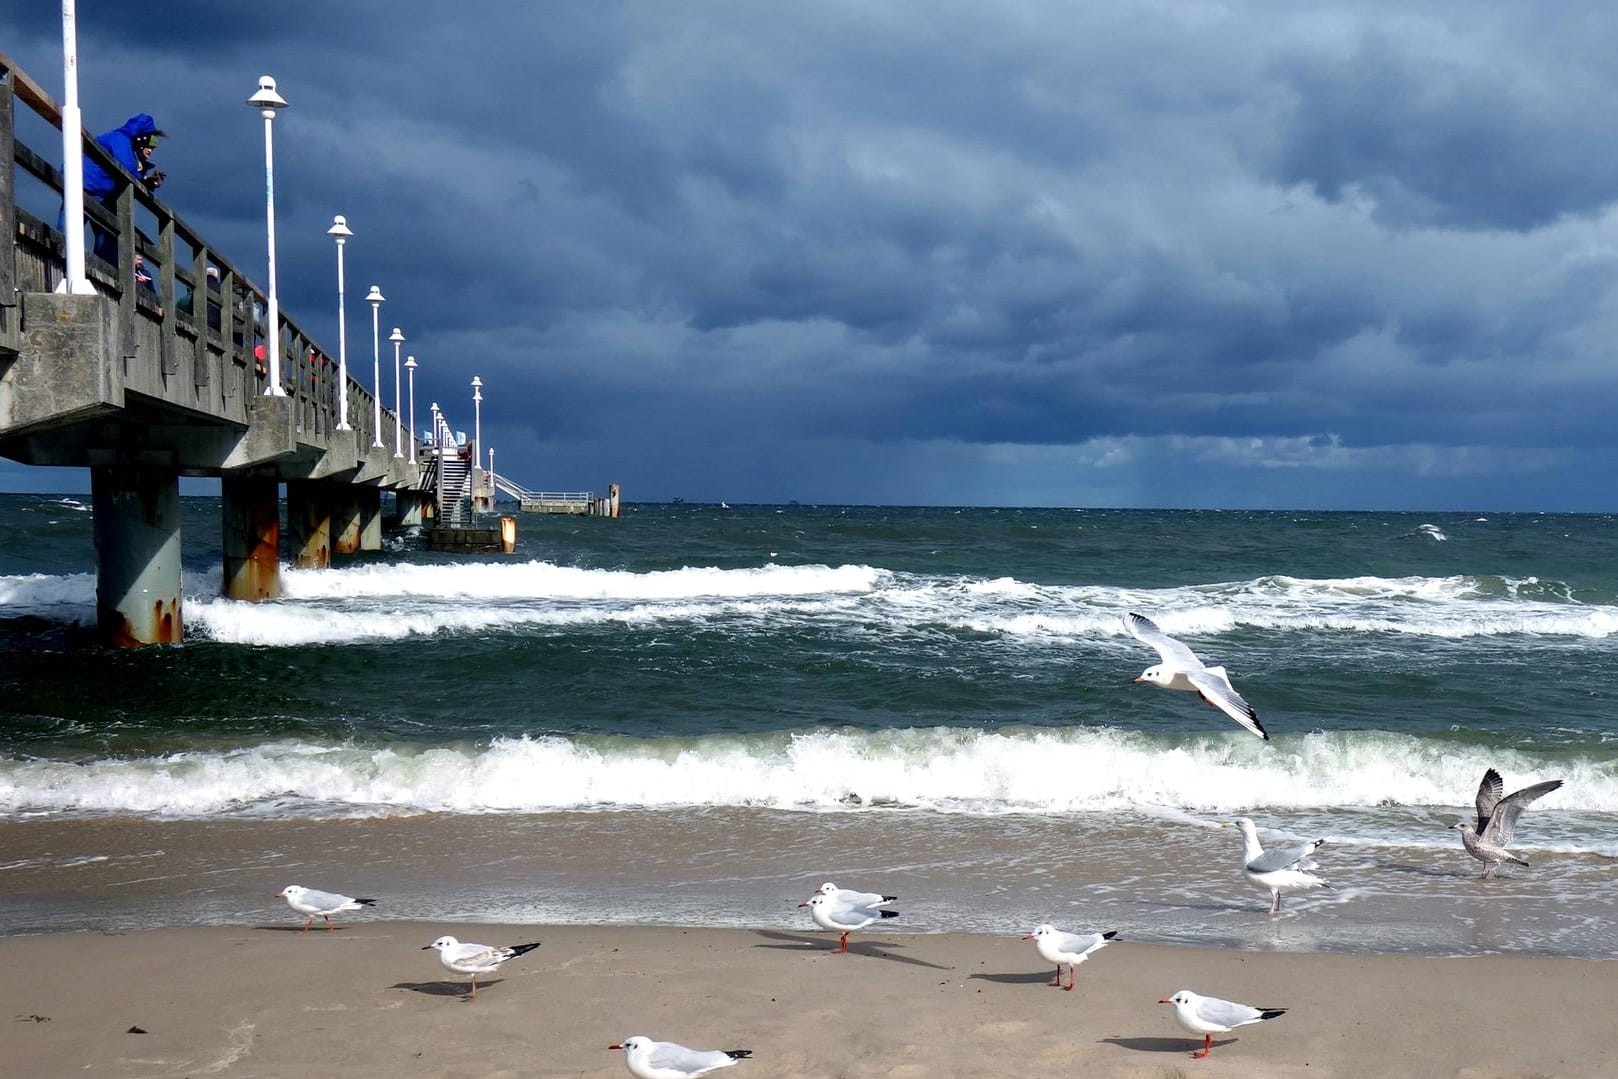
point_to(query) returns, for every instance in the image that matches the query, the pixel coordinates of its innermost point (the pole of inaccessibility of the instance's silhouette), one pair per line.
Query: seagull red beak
(1165, 1002)
(1027, 936)
(614, 1047)
(801, 905)
(1137, 681)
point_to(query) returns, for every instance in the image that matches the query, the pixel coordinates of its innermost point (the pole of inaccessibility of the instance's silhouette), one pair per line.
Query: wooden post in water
(508, 535)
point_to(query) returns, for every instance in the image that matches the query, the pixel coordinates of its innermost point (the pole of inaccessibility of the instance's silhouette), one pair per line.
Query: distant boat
(679, 501)
(724, 505)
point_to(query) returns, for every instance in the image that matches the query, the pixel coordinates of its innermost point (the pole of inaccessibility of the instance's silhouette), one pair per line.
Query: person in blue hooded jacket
(124, 144)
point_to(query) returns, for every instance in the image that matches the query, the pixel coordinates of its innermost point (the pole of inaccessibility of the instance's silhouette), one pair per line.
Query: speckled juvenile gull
(464, 957)
(1179, 668)
(1497, 821)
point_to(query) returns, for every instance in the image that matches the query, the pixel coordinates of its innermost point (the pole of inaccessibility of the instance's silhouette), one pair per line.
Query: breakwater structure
(156, 372)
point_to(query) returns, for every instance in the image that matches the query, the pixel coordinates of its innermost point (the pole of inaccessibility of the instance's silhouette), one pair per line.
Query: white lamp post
(340, 231)
(267, 101)
(410, 369)
(376, 300)
(491, 477)
(72, 158)
(477, 414)
(397, 337)
(436, 421)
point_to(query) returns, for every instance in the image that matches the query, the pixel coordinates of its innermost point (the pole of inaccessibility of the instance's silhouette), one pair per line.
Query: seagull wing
(1503, 822)
(676, 1057)
(1216, 689)
(1171, 651)
(1284, 858)
(326, 901)
(1226, 1013)
(849, 897)
(1489, 792)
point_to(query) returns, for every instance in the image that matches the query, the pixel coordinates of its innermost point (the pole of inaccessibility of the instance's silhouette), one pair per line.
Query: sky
(1149, 253)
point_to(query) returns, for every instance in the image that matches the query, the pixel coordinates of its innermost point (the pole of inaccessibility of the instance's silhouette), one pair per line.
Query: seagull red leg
(844, 946)
(1072, 972)
(1058, 979)
(1207, 1047)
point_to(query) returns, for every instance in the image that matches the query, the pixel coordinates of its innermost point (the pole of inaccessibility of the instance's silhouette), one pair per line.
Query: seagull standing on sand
(1181, 669)
(851, 898)
(671, 1060)
(1210, 1015)
(1067, 949)
(1497, 821)
(312, 901)
(1285, 869)
(843, 918)
(475, 959)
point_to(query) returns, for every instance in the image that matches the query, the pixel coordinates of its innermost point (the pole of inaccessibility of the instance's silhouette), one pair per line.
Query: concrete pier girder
(309, 522)
(251, 516)
(410, 507)
(137, 542)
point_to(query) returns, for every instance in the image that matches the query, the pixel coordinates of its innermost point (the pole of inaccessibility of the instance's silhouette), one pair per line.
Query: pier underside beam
(137, 541)
(251, 514)
(346, 519)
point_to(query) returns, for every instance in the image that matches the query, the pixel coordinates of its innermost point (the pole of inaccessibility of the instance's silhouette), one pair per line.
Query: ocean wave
(947, 770)
(395, 600)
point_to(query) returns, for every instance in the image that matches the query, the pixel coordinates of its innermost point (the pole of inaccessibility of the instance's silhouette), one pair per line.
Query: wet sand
(267, 1001)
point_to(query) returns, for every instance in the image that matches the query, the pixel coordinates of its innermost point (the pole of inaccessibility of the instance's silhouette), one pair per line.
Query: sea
(695, 714)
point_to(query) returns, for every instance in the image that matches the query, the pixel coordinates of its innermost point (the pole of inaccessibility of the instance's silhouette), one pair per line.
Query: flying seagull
(1210, 1015)
(1497, 821)
(474, 959)
(1067, 949)
(1181, 669)
(312, 901)
(1285, 869)
(671, 1060)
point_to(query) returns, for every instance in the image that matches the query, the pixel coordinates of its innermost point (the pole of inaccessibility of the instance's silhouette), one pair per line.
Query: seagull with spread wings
(1179, 668)
(1497, 821)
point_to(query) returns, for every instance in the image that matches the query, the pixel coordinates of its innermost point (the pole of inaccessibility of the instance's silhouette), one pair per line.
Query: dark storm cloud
(857, 251)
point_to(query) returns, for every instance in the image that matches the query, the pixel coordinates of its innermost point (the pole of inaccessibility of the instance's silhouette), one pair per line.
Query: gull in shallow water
(671, 1060)
(1284, 869)
(844, 918)
(313, 901)
(1210, 1015)
(464, 957)
(1497, 821)
(851, 898)
(1067, 949)
(1179, 668)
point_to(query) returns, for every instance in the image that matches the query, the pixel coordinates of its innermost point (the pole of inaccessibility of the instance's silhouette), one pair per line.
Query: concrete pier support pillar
(137, 540)
(346, 519)
(252, 537)
(410, 504)
(370, 502)
(308, 524)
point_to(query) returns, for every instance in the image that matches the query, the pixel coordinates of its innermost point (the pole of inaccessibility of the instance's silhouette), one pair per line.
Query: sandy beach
(365, 1000)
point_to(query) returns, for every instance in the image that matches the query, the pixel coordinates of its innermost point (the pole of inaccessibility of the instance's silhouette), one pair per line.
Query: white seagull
(312, 901)
(474, 959)
(1210, 1015)
(1181, 669)
(1067, 949)
(671, 1060)
(1497, 821)
(1285, 869)
(851, 898)
(843, 918)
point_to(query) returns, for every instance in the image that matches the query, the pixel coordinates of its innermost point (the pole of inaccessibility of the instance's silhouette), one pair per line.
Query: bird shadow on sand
(1162, 1045)
(869, 949)
(444, 989)
(1012, 979)
(1423, 871)
(297, 929)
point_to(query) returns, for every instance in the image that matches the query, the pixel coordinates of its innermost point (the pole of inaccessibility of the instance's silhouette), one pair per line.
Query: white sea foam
(951, 770)
(393, 600)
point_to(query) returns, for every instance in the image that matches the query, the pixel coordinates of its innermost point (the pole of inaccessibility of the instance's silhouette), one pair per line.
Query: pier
(145, 383)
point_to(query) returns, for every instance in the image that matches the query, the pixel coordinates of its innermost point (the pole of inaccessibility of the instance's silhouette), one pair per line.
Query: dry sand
(365, 1000)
